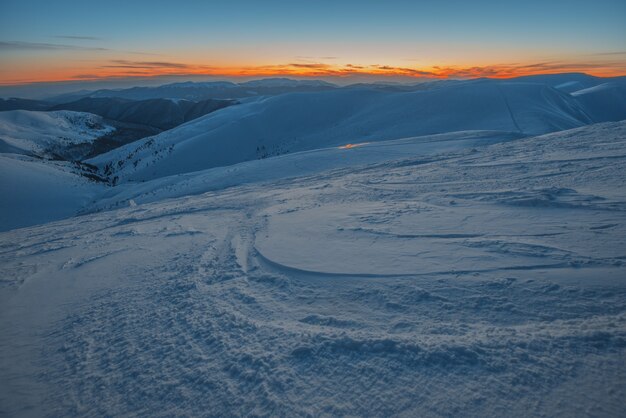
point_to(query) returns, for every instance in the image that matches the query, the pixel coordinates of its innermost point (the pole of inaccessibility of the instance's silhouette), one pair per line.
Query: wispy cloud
(43, 46)
(145, 64)
(405, 71)
(153, 54)
(85, 76)
(150, 68)
(37, 46)
(517, 69)
(79, 38)
(306, 58)
(610, 53)
(320, 69)
(317, 66)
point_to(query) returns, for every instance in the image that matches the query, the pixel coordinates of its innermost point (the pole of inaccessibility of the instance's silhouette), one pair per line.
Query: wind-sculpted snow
(479, 281)
(304, 121)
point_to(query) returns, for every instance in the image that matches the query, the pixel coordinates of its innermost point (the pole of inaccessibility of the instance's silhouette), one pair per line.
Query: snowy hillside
(604, 102)
(295, 165)
(304, 121)
(48, 134)
(35, 191)
(157, 113)
(472, 281)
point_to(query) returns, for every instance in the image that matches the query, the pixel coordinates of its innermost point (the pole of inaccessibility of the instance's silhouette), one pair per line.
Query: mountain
(285, 82)
(202, 84)
(198, 91)
(157, 113)
(60, 134)
(23, 104)
(569, 82)
(305, 121)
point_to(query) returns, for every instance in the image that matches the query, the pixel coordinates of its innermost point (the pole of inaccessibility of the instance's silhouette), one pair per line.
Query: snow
(604, 102)
(44, 133)
(35, 191)
(305, 121)
(472, 273)
(294, 165)
(454, 250)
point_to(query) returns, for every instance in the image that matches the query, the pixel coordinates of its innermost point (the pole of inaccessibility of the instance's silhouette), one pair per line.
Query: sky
(62, 40)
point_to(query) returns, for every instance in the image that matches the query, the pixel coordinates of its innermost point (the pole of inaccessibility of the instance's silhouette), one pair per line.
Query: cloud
(151, 68)
(80, 38)
(36, 46)
(85, 76)
(42, 46)
(317, 66)
(146, 64)
(306, 58)
(319, 69)
(405, 71)
(143, 53)
(517, 69)
(122, 68)
(610, 53)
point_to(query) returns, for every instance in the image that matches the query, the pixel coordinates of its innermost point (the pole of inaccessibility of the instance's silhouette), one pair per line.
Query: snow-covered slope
(306, 121)
(48, 134)
(569, 82)
(478, 282)
(44, 191)
(296, 164)
(604, 102)
(34, 191)
(157, 113)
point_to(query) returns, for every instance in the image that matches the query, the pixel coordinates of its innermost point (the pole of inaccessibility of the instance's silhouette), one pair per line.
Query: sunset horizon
(342, 40)
(347, 72)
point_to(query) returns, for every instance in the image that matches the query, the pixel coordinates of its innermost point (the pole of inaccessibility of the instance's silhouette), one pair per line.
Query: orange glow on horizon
(142, 69)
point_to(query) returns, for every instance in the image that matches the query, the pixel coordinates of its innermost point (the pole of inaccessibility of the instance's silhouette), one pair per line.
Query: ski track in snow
(486, 283)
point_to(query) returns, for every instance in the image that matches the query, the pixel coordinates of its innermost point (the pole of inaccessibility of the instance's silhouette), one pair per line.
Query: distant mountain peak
(285, 82)
(196, 84)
